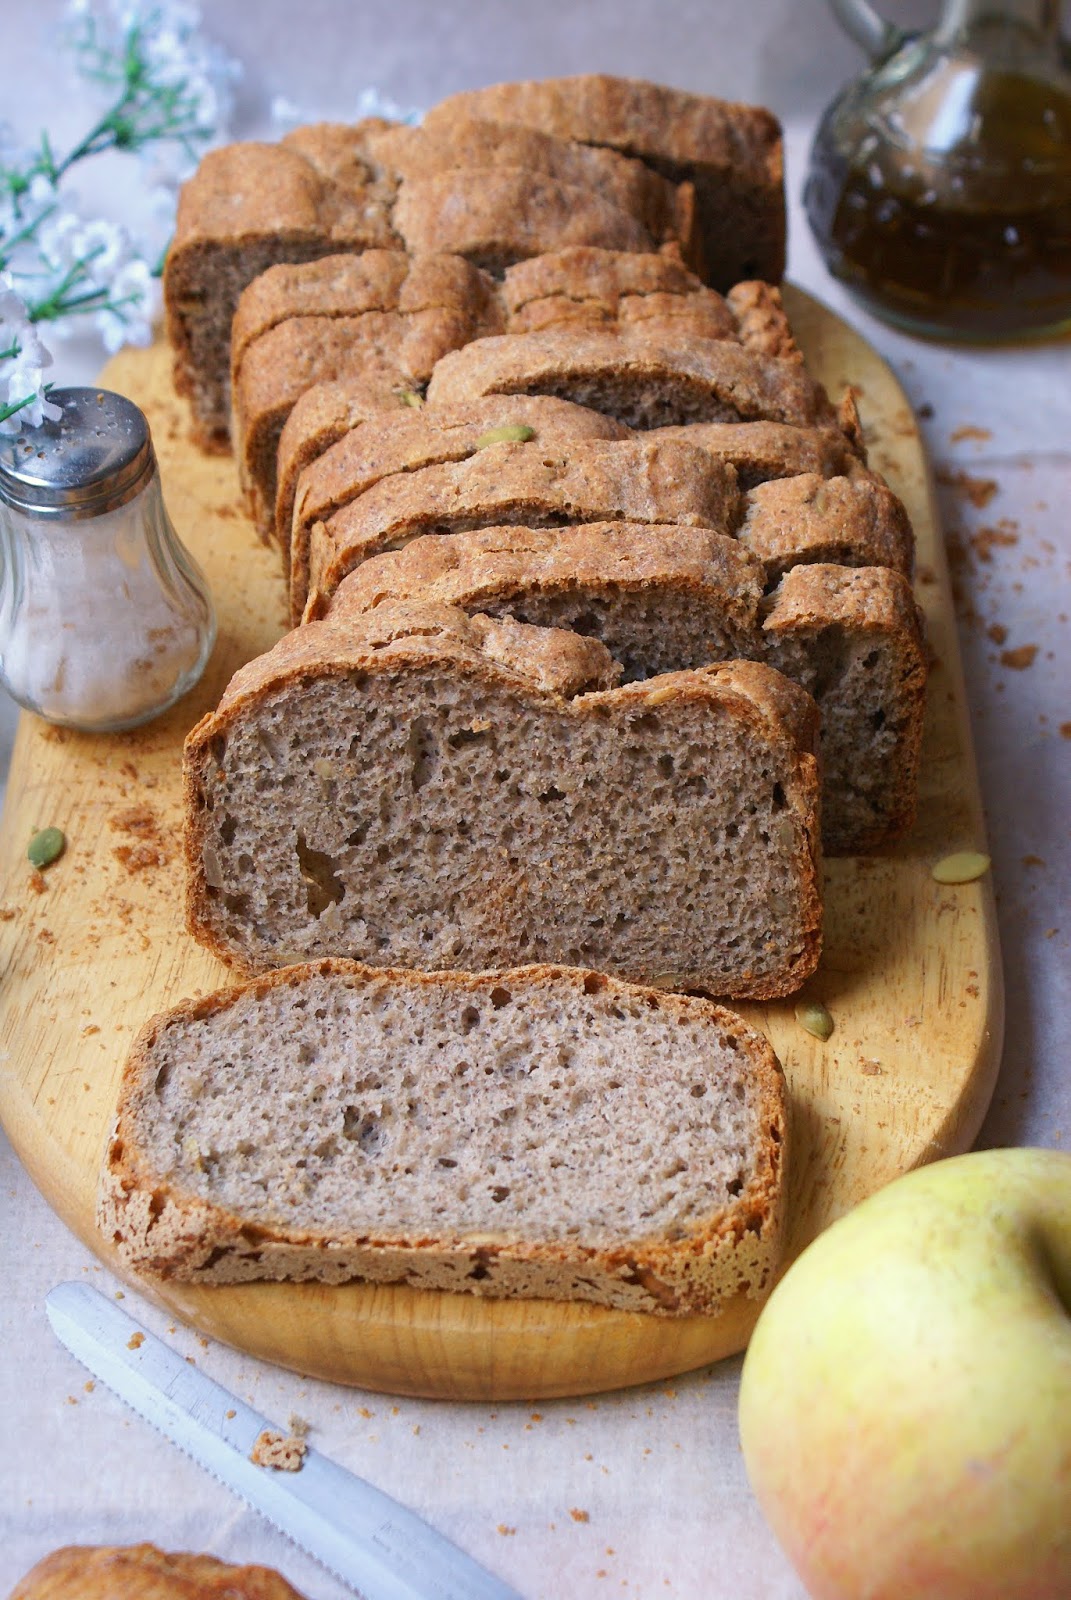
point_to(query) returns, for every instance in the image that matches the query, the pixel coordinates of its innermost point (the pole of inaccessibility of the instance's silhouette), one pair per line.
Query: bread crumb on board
(282, 1452)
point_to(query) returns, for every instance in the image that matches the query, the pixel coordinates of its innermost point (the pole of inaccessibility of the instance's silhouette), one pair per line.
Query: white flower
(285, 115)
(23, 360)
(134, 300)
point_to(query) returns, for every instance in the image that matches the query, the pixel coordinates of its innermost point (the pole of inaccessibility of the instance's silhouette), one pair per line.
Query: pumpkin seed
(508, 433)
(46, 846)
(813, 1017)
(963, 867)
(410, 397)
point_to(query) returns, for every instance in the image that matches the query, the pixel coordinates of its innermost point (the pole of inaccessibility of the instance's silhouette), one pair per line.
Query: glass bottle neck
(1039, 19)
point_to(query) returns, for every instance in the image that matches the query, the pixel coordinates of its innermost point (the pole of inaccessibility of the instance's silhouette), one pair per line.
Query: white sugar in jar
(105, 618)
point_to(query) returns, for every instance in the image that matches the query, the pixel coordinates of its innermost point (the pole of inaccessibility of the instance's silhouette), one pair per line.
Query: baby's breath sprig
(169, 94)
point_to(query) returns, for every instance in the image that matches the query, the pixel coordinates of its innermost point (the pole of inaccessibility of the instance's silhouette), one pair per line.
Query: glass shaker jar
(939, 188)
(105, 618)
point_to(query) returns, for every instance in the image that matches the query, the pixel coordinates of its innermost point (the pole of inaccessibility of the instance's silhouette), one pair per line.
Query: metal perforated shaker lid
(94, 459)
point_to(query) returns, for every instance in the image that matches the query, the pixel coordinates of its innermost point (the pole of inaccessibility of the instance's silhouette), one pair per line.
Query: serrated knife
(379, 1547)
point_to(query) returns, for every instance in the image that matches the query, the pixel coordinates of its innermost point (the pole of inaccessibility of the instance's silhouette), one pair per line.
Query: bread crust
(732, 153)
(529, 483)
(637, 371)
(164, 1230)
(406, 439)
(761, 451)
(142, 1572)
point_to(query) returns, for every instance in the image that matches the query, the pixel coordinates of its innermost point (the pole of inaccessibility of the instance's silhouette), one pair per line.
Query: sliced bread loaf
(732, 154)
(638, 374)
(540, 1132)
(669, 599)
(417, 787)
(850, 521)
(529, 483)
(379, 317)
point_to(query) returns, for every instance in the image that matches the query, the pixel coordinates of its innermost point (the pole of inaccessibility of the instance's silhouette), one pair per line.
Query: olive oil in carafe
(970, 242)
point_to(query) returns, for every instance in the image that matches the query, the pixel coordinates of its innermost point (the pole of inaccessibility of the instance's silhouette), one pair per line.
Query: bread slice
(616, 193)
(670, 599)
(639, 375)
(529, 483)
(732, 154)
(855, 639)
(403, 440)
(541, 1132)
(415, 787)
(246, 208)
(612, 289)
(379, 317)
(760, 451)
(850, 521)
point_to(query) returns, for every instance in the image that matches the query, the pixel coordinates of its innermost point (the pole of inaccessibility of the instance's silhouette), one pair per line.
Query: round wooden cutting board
(911, 969)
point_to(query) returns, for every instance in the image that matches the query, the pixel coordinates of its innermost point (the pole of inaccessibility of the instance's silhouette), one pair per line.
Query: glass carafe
(939, 187)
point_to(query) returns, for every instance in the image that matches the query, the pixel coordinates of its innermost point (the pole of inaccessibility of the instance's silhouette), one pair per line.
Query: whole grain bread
(405, 440)
(246, 208)
(639, 375)
(142, 1572)
(732, 154)
(539, 1132)
(529, 483)
(417, 787)
(670, 599)
(381, 317)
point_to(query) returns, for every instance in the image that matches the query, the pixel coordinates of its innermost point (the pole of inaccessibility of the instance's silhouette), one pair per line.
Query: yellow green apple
(905, 1405)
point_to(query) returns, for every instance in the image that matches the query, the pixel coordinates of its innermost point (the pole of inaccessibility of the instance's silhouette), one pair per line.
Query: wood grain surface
(911, 970)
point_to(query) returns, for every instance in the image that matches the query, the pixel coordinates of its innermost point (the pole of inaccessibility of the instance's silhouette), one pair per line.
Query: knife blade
(366, 1538)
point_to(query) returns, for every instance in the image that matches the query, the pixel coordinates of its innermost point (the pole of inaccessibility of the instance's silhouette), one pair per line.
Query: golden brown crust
(763, 450)
(853, 521)
(380, 318)
(468, 145)
(613, 288)
(629, 480)
(163, 1230)
(731, 152)
(465, 569)
(638, 371)
(408, 438)
(142, 1572)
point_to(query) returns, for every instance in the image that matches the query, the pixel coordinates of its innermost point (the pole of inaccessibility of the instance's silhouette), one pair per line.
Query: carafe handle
(868, 28)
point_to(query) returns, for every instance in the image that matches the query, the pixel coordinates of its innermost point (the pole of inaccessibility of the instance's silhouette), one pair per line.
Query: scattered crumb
(89, 1030)
(1003, 535)
(135, 1341)
(139, 857)
(275, 1450)
(119, 1295)
(71, 1401)
(230, 1414)
(969, 431)
(1019, 659)
(89, 1386)
(979, 491)
(7, 913)
(299, 1427)
(363, 1411)
(1033, 861)
(37, 881)
(142, 823)
(996, 632)
(502, 1528)
(46, 936)
(1065, 730)
(578, 1515)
